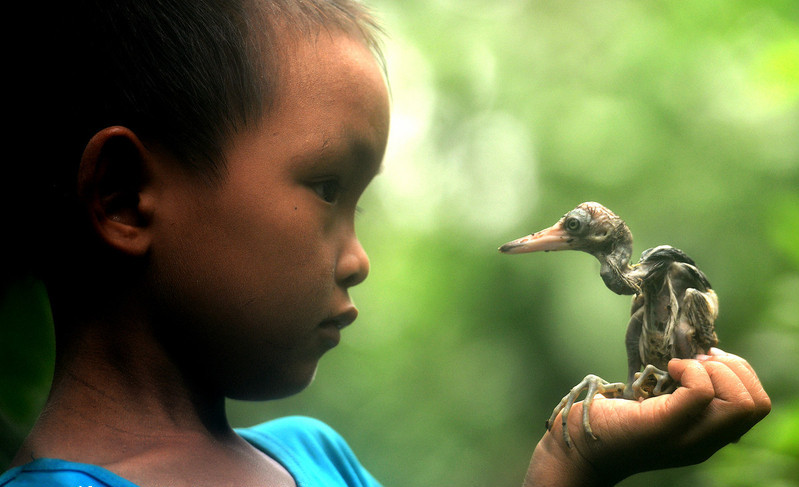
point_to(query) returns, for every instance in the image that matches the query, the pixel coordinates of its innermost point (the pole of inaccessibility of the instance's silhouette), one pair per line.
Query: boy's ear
(113, 172)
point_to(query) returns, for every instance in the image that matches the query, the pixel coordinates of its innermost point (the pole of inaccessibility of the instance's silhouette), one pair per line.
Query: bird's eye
(572, 224)
(329, 190)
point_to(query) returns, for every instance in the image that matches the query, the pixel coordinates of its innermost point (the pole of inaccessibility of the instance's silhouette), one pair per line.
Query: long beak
(552, 238)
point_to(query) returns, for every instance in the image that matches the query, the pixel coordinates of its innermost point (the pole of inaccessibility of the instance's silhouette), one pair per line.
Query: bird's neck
(616, 270)
(615, 278)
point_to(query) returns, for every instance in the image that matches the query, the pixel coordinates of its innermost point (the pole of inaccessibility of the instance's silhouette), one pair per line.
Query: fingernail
(702, 357)
(717, 351)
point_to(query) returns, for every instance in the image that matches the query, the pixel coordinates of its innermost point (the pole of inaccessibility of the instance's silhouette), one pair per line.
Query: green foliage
(26, 361)
(683, 117)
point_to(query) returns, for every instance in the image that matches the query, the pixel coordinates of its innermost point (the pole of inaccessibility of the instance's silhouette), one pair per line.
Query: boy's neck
(115, 385)
(123, 405)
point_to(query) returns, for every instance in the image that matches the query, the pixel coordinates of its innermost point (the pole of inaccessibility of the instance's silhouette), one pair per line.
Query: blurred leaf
(784, 226)
(773, 448)
(26, 361)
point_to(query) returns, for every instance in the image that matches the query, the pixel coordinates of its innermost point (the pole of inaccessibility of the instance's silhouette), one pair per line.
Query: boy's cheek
(232, 289)
(244, 340)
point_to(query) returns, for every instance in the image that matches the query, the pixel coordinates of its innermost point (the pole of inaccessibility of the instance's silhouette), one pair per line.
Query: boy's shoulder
(313, 453)
(294, 432)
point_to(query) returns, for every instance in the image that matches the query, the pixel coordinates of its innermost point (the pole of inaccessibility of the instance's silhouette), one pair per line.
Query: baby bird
(673, 307)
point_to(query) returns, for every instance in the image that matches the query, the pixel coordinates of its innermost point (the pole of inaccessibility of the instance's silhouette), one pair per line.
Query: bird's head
(590, 227)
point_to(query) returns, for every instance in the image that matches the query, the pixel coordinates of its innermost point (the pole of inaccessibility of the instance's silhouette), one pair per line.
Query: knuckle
(763, 407)
(747, 405)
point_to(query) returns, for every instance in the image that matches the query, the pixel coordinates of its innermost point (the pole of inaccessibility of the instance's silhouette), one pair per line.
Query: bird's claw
(592, 385)
(652, 381)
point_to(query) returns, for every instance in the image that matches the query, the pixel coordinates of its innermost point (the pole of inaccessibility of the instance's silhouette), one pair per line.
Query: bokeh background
(682, 117)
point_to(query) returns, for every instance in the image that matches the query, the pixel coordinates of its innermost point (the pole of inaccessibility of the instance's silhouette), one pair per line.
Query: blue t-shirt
(312, 452)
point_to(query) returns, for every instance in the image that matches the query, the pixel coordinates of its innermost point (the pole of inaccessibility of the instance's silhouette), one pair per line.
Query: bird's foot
(652, 382)
(592, 385)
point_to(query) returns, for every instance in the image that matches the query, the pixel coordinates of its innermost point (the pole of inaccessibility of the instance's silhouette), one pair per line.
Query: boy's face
(250, 278)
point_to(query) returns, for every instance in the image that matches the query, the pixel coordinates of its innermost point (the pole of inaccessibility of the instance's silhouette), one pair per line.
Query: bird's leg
(652, 382)
(632, 338)
(592, 385)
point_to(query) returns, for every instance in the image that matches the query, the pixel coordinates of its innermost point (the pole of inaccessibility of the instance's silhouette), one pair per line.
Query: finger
(743, 370)
(697, 392)
(727, 384)
(748, 377)
(741, 367)
(719, 354)
(692, 375)
(731, 413)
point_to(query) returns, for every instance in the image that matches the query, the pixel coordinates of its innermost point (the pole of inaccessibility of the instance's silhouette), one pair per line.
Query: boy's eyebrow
(353, 148)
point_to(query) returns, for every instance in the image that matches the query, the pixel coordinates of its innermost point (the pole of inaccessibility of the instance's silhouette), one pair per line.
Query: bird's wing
(695, 331)
(681, 307)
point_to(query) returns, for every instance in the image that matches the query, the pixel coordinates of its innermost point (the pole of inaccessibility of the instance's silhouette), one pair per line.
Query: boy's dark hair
(184, 75)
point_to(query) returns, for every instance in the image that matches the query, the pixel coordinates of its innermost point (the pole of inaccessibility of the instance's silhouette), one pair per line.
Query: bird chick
(673, 309)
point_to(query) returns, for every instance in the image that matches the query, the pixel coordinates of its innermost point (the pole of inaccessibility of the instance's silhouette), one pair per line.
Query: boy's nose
(353, 264)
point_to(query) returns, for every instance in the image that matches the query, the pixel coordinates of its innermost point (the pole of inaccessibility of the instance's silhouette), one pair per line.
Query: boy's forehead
(332, 101)
(333, 69)
(329, 60)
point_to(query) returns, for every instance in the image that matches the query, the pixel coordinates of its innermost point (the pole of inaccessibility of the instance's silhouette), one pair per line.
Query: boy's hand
(721, 398)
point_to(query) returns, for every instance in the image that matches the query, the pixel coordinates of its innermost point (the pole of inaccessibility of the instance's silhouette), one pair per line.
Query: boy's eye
(329, 190)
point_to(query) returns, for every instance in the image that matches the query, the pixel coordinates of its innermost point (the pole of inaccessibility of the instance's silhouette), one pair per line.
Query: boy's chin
(273, 388)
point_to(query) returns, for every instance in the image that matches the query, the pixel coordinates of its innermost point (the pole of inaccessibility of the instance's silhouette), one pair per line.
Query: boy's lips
(342, 319)
(331, 327)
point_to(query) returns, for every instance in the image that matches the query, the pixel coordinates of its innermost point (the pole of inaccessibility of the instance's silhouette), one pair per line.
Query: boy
(204, 200)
